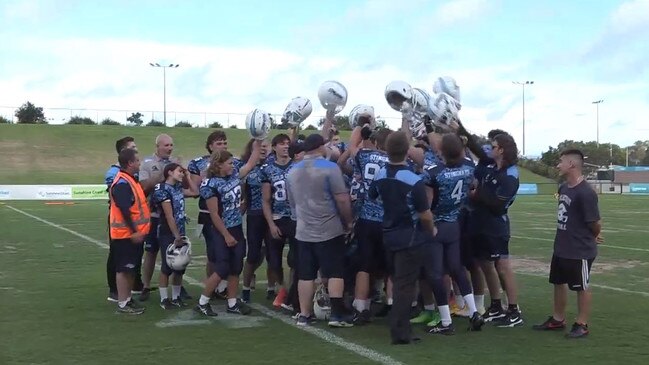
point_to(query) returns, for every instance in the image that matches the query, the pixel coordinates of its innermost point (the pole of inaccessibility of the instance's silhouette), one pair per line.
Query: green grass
(52, 297)
(75, 154)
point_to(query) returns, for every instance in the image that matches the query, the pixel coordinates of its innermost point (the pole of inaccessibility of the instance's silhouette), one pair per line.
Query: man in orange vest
(130, 221)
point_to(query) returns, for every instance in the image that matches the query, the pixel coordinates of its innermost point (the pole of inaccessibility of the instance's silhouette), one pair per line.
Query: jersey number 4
(456, 194)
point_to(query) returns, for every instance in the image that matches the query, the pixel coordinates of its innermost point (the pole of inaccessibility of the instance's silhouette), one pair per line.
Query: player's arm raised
(191, 189)
(252, 160)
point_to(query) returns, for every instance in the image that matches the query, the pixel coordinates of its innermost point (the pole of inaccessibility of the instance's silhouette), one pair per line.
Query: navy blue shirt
(275, 174)
(450, 185)
(199, 166)
(495, 194)
(403, 194)
(430, 158)
(254, 192)
(173, 194)
(368, 163)
(228, 191)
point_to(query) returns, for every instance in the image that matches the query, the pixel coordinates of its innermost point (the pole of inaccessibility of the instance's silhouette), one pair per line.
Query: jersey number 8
(280, 191)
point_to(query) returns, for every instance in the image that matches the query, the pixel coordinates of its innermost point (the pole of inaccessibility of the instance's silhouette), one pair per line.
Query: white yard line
(602, 245)
(320, 333)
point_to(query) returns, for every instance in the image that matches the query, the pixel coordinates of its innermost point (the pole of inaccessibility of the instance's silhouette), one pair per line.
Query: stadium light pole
(597, 102)
(164, 85)
(523, 83)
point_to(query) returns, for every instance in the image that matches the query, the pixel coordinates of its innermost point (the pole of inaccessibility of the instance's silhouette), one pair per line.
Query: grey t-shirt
(152, 167)
(578, 206)
(312, 184)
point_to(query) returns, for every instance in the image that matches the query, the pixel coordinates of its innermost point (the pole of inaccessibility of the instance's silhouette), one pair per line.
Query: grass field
(77, 154)
(53, 293)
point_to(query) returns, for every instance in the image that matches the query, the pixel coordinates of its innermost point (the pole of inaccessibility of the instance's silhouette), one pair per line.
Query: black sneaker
(361, 318)
(112, 297)
(239, 308)
(304, 320)
(550, 324)
(178, 303)
(245, 295)
(205, 310)
(144, 296)
(166, 304)
(578, 331)
(385, 310)
(184, 295)
(476, 322)
(131, 308)
(494, 312)
(222, 295)
(270, 295)
(440, 329)
(513, 318)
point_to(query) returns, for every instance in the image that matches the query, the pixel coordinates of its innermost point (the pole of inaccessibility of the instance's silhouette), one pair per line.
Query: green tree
(233, 126)
(155, 123)
(77, 120)
(108, 121)
(341, 122)
(183, 124)
(310, 127)
(135, 119)
(4, 120)
(29, 113)
(216, 125)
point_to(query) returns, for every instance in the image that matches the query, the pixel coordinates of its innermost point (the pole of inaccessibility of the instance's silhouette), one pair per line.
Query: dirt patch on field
(535, 266)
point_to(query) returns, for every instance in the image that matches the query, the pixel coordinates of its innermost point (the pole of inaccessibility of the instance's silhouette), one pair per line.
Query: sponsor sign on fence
(528, 189)
(52, 192)
(633, 188)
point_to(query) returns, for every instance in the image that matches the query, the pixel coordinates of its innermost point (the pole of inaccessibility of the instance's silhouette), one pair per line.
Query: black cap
(295, 148)
(313, 142)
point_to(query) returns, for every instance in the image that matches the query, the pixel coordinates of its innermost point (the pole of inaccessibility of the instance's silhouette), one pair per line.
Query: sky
(89, 57)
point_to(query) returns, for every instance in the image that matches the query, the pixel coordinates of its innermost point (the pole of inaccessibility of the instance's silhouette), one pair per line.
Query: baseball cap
(295, 148)
(313, 142)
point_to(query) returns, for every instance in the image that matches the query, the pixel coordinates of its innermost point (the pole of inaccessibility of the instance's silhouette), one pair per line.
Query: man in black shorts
(575, 245)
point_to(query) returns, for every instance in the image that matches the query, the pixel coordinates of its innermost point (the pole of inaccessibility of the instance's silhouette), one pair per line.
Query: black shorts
(275, 247)
(165, 240)
(327, 256)
(369, 235)
(490, 248)
(256, 234)
(227, 261)
(574, 272)
(151, 243)
(126, 255)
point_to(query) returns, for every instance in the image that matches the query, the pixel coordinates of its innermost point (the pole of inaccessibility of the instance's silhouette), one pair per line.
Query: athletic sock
(512, 307)
(163, 293)
(122, 304)
(232, 302)
(496, 303)
(245, 288)
(470, 301)
(390, 301)
(358, 304)
(459, 300)
(479, 301)
(445, 313)
(337, 307)
(175, 291)
(203, 300)
(429, 307)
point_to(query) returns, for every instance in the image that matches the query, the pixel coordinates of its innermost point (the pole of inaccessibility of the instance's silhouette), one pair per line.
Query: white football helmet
(297, 111)
(397, 93)
(447, 85)
(333, 96)
(258, 124)
(444, 109)
(321, 304)
(179, 257)
(361, 111)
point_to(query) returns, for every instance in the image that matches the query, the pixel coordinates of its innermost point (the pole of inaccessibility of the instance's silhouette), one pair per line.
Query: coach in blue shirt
(408, 230)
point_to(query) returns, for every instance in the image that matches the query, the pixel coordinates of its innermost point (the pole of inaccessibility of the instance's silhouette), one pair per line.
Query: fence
(196, 119)
(601, 187)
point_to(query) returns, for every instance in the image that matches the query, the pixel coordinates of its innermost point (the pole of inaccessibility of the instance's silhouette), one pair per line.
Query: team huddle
(420, 227)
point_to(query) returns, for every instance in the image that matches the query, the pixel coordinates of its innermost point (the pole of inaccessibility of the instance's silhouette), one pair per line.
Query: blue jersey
(199, 166)
(275, 175)
(173, 194)
(228, 191)
(451, 186)
(430, 158)
(253, 191)
(369, 163)
(110, 175)
(494, 185)
(271, 157)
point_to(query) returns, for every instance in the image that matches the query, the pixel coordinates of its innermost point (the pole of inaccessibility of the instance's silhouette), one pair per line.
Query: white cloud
(630, 16)
(458, 11)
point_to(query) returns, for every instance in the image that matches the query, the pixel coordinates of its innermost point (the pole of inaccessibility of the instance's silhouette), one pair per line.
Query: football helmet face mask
(321, 304)
(447, 85)
(362, 114)
(179, 257)
(398, 95)
(332, 96)
(297, 111)
(444, 109)
(258, 124)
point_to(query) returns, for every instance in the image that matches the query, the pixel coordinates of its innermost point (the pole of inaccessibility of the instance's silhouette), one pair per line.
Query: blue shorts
(227, 261)
(256, 234)
(151, 243)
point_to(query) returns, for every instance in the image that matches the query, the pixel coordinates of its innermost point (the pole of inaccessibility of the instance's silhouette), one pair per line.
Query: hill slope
(67, 154)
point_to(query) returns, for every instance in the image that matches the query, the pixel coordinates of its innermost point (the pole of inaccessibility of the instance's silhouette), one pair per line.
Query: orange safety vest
(140, 213)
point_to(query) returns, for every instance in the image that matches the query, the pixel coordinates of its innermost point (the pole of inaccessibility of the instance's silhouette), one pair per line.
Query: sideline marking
(601, 245)
(320, 333)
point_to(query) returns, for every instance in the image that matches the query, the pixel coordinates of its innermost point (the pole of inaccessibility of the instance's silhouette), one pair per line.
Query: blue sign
(639, 188)
(632, 168)
(528, 189)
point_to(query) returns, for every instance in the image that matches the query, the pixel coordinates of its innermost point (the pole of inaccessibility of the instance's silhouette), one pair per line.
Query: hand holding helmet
(258, 124)
(332, 96)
